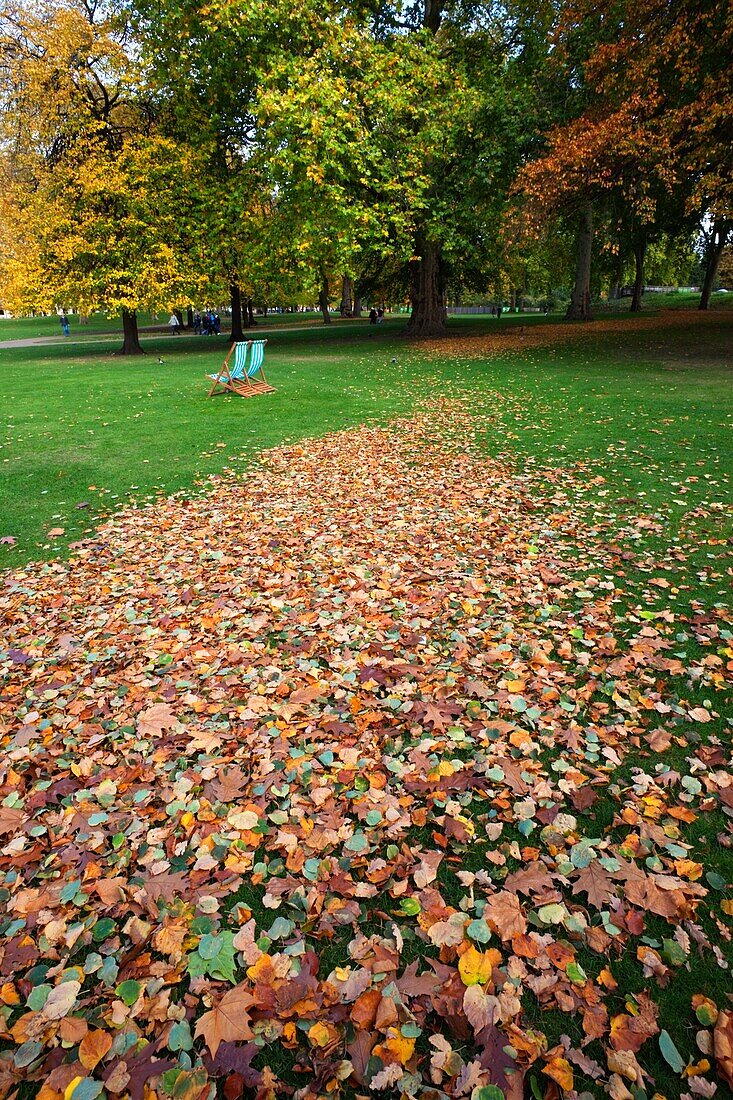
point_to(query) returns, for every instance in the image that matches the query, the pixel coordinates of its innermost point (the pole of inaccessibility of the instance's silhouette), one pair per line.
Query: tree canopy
(158, 155)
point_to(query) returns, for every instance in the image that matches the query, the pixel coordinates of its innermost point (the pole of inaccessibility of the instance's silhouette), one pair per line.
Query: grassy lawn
(524, 580)
(651, 411)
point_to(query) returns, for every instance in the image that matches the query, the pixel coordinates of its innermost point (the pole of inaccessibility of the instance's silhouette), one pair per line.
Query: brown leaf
(596, 882)
(723, 1045)
(228, 1021)
(504, 915)
(480, 1007)
(155, 720)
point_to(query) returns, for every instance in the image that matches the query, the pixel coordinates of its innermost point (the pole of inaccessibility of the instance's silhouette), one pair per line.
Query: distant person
(65, 324)
(197, 322)
(380, 315)
(174, 324)
(372, 316)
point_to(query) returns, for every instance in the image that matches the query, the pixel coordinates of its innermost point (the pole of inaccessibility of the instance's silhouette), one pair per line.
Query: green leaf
(479, 931)
(487, 1092)
(128, 992)
(551, 914)
(576, 973)
(357, 843)
(673, 954)
(410, 907)
(180, 1036)
(706, 1014)
(671, 1055)
(102, 929)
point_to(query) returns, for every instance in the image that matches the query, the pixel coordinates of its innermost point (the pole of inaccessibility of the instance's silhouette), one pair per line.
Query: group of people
(207, 323)
(376, 316)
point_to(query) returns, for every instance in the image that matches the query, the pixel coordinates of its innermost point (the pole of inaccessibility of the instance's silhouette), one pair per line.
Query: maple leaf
(10, 819)
(504, 915)
(155, 720)
(596, 882)
(228, 1021)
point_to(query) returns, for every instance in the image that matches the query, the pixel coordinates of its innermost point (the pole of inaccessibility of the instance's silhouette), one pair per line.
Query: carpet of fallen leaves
(503, 335)
(298, 774)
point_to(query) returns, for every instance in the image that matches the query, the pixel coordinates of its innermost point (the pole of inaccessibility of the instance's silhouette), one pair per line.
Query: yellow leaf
(320, 1035)
(474, 967)
(395, 1048)
(560, 1070)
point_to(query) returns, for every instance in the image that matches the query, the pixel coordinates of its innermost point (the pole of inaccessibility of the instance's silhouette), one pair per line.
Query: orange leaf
(228, 1021)
(93, 1048)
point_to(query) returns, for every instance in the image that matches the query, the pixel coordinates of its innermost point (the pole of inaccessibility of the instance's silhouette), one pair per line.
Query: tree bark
(716, 243)
(235, 294)
(346, 308)
(579, 308)
(189, 317)
(323, 301)
(358, 307)
(250, 313)
(639, 254)
(429, 315)
(130, 337)
(432, 15)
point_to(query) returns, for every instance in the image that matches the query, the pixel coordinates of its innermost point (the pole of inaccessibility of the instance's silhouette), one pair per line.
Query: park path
(40, 341)
(315, 759)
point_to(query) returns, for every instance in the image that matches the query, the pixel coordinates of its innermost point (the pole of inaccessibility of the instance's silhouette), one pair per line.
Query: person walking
(64, 323)
(174, 324)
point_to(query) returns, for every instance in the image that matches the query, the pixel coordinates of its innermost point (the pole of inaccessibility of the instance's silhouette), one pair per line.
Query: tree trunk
(130, 337)
(235, 295)
(346, 308)
(323, 301)
(432, 15)
(250, 312)
(716, 243)
(189, 317)
(429, 315)
(579, 308)
(358, 307)
(639, 254)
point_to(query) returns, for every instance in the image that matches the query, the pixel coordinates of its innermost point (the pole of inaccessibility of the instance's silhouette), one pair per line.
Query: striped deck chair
(245, 378)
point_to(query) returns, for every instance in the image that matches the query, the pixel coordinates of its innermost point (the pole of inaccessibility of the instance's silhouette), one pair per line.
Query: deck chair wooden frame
(246, 376)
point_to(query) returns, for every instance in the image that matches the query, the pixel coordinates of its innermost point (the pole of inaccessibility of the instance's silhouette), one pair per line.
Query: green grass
(83, 431)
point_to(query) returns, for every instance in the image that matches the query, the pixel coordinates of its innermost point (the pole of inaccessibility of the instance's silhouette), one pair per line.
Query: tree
(95, 199)
(673, 62)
